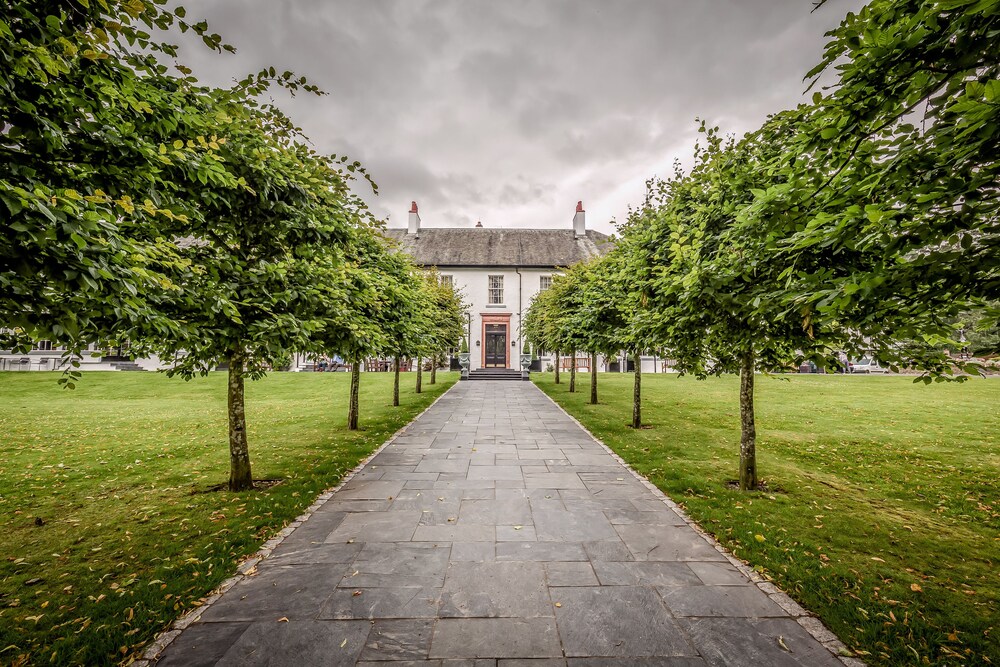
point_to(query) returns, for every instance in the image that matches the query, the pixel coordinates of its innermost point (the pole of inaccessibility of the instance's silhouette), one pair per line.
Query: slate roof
(478, 246)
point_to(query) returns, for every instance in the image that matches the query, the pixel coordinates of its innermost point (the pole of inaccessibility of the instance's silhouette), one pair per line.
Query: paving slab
(495, 532)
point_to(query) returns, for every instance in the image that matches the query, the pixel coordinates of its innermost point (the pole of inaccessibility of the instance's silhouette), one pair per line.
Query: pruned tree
(261, 260)
(610, 309)
(100, 146)
(711, 286)
(893, 171)
(444, 324)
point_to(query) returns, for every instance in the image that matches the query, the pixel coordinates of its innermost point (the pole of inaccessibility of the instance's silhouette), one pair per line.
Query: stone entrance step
(127, 366)
(495, 374)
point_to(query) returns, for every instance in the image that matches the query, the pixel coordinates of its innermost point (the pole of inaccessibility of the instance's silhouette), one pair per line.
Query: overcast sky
(510, 112)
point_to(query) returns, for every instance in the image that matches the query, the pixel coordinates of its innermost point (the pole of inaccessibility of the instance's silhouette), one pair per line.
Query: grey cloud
(512, 111)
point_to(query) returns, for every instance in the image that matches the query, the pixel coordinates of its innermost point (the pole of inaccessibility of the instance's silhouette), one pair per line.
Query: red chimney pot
(413, 207)
(579, 207)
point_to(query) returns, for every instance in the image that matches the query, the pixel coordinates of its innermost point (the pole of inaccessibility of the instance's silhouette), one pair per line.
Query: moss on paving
(883, 509)
(108, 528)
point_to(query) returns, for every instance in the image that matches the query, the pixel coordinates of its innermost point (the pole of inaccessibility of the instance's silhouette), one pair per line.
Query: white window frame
(494, 290)
(544, 283)
(447, 279)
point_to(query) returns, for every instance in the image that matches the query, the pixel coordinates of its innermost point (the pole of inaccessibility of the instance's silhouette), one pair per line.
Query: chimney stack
(414, 227)
(579, 221)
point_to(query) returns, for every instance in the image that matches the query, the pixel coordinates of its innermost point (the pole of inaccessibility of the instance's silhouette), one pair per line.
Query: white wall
(51, 360)
(518, 291)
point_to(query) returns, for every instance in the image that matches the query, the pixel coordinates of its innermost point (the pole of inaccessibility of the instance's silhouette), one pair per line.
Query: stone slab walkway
(496, 531)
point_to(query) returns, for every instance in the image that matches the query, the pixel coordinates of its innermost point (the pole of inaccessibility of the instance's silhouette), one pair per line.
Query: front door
(496, 346)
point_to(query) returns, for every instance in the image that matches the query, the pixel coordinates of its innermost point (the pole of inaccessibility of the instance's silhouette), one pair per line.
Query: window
(447, 280)
(44, 345)
(496, 290)
(544, 282)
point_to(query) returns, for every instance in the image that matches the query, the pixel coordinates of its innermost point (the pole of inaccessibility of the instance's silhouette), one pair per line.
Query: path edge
(243, 570)
(805, 618)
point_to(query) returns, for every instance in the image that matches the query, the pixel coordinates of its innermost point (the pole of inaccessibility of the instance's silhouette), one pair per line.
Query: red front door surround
(493, 318)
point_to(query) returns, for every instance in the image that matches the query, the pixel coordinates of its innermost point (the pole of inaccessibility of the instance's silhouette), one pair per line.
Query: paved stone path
(495, 531)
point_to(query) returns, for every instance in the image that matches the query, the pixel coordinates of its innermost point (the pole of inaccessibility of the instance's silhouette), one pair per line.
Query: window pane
(495, 295)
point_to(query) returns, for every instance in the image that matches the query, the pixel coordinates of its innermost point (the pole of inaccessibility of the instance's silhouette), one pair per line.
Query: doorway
(496, 346)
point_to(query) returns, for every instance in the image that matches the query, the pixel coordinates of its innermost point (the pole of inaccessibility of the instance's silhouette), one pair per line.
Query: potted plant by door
(525, 360)
(463, 358)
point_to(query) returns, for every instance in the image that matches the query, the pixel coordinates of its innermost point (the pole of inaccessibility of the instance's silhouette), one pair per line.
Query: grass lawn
(108, 529)
(883, 515)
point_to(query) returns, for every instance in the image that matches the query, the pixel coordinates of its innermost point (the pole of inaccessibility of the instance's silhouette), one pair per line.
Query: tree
(578, 305)
(405, 332)
(264, 260)
(614, 304)
(378, 314)
(443, 321)
(541, 324)
(711, 283)
(895, 171)
(99, 146)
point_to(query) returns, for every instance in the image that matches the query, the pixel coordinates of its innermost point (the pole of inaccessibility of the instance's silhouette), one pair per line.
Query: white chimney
(579, 224)
(414, 227)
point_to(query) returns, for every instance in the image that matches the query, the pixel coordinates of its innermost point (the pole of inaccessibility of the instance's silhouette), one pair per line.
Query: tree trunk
(352, 409)
(572, 372)
(637, 394)
(434, 367)
(557, 368)
(748, 436)
(593, 378)
(420, 375)
(395, 382)
(240, 478)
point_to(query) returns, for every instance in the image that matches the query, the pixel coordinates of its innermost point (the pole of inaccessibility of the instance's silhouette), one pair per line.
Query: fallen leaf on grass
(759, 537)
(878, 559)
(916, 588)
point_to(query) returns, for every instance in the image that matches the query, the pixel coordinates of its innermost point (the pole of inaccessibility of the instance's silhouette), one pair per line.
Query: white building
(44, 356)
(499, 272)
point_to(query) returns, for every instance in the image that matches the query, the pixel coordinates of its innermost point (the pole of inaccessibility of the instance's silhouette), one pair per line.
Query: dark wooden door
(496, 346)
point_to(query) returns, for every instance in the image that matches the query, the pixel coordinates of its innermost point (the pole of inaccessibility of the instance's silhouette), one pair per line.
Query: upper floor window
(544, 282)
(448, 280)
(496, 290)
(44, 345)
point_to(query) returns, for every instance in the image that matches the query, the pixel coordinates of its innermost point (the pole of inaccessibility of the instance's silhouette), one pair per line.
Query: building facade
(499, 272)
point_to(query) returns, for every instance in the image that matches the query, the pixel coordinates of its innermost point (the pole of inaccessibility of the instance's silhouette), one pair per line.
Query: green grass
(883, 514)
(117, 471)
